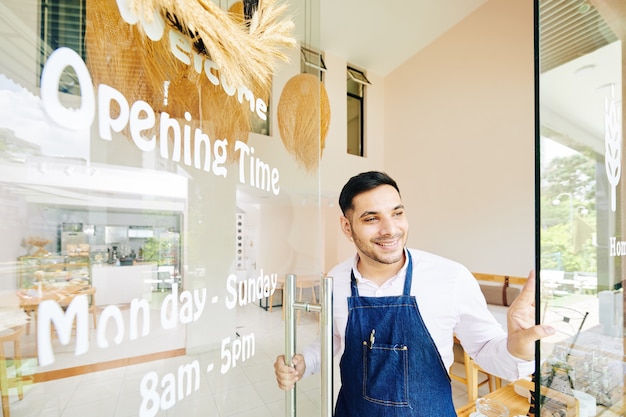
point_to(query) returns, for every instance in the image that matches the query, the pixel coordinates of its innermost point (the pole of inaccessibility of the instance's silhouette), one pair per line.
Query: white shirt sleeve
(313, 353)
(482, 337)
(312, 357)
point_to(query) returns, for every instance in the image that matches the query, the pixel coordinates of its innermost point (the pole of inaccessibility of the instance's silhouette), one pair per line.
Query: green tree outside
(568, 214)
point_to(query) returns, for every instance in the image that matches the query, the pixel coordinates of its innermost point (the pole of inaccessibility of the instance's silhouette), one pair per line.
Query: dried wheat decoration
(303, 119)
(122, 56)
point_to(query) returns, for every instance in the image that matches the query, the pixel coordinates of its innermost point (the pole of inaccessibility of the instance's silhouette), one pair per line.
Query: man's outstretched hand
(521, 323)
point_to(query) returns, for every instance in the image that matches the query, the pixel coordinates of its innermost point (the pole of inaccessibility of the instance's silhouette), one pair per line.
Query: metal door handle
(325, 308)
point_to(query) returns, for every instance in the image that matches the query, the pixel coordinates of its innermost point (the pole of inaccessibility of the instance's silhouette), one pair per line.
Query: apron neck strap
(408, 278)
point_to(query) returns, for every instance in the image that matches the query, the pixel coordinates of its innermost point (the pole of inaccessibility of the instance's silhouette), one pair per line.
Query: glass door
(153, 200)
(581, 193)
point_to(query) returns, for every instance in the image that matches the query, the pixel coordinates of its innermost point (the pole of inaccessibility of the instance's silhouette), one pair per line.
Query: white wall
(454, 125)
(337, 166)
(459, 139)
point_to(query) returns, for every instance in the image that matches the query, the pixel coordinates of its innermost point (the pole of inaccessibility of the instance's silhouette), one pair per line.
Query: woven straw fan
(303, 119)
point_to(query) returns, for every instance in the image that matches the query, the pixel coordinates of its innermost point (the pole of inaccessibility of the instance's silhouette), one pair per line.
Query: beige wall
(337, 166)
(455, 126)
(459, 138)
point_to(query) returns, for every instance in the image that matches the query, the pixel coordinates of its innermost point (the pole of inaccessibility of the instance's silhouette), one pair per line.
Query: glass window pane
(581, 207)
(355, 126)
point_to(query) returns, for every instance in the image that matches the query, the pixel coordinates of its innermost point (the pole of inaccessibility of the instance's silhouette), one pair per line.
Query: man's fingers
(540, 331)
(286, 376)
(523, 332)
(521, 344)
(527, 294)
(534, 333)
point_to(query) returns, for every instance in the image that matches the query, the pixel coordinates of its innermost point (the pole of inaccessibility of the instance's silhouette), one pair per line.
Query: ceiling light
(584, 7)
(607, 86)
(585, 70)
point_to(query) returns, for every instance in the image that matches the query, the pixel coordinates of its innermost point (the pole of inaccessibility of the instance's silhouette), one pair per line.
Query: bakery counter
(121, 284)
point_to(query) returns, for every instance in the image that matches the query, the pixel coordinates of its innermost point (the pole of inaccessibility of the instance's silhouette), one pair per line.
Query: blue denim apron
(391, 366)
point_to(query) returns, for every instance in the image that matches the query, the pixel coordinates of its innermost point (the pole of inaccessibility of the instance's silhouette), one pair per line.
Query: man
(396, 311)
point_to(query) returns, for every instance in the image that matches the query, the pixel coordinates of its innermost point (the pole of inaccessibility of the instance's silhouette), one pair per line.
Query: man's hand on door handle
(286, 375)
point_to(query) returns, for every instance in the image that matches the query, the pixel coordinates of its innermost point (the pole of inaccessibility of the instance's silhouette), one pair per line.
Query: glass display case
(52, 270)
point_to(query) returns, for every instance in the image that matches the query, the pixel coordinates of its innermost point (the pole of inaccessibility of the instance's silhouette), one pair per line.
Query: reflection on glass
(581, 273)
(125, 253)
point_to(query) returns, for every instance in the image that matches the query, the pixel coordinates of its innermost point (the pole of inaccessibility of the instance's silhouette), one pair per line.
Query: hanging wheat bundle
(303, 119)
(224, 118)
(121, 56)
(217, 114)
(244, 53)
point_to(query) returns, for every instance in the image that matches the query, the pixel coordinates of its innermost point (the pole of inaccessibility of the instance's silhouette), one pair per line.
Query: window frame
(356, 77)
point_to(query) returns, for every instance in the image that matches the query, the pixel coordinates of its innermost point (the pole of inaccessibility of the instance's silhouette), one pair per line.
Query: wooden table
(517, 404)
(30, 298)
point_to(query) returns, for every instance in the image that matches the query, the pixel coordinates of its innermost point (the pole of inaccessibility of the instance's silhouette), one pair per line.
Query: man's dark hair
(361, 183)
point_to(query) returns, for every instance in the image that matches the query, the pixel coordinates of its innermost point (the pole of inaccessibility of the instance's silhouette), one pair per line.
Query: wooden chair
(303, 283)
(313, 285)
(472, 374)
(279, 286)
(18, 381)
(499, 289)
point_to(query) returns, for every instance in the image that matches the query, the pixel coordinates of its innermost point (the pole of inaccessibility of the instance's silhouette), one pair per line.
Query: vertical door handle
(325, 308)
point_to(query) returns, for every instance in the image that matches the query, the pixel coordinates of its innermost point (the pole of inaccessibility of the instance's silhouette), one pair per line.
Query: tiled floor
(248, 389)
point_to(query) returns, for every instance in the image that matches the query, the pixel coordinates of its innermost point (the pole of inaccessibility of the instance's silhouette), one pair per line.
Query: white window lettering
(154, 26)
(106, 95)
(110, 312)
(49, 312)
(181, 47)
(50, 77)
(138, 124)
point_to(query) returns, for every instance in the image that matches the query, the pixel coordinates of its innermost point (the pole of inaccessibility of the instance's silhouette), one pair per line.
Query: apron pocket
(385, 379)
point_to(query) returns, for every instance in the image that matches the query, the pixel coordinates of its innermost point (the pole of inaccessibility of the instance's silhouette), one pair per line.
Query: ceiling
(570, 30)
(380, 35)
(579, 55)
(581, 71)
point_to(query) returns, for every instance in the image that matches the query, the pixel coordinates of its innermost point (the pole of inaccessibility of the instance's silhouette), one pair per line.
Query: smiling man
(396, 311)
